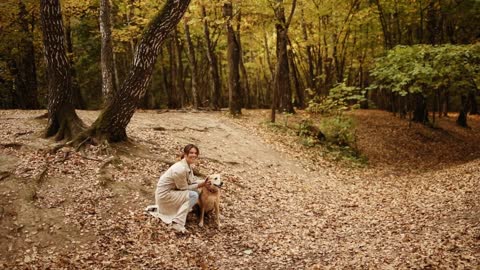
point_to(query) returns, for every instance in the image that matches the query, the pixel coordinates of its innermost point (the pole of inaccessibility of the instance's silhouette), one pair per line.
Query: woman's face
(192, 155)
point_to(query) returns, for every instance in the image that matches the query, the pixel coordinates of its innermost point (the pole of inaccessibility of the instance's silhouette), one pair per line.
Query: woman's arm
(181, 182)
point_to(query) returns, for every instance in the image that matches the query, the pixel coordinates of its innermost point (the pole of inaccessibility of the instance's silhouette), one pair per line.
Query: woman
(177, 190)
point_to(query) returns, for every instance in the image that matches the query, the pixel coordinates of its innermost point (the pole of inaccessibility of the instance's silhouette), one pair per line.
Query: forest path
(279, 210)
(281, 213)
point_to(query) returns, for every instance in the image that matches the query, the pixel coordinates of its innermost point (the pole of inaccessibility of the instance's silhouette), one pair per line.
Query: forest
(371, 105)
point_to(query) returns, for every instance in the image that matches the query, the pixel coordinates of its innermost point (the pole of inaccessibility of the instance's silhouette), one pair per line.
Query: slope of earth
(281, 209)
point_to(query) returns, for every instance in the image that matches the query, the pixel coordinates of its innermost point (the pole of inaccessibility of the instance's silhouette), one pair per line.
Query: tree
(233, 57)
(26, 76)
(282, 87)
(62, 119)
(113, 120)
(193, 64)
(213, 63)
(108, 86)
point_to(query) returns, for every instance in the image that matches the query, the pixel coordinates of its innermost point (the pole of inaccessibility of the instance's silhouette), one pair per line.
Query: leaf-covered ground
(285, 206)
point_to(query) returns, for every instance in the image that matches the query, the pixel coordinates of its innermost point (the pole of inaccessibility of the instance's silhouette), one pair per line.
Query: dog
(210, 198)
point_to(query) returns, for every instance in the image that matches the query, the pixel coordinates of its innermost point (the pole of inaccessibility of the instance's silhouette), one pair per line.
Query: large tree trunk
(193, 65)
(212, 60)
(113, 120)
(282, 72)
(62, 119)
(233, 56)
(108, 86)
(23, 67)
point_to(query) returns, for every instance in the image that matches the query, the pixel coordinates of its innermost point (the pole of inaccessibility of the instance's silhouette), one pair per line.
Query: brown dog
(210, 198)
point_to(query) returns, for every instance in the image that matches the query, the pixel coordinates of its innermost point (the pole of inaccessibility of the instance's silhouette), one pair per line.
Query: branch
(294, 5)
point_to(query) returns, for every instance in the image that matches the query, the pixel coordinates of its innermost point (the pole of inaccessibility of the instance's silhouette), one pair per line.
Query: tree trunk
(473, 102)
(108, 86)
(247, 103)
(193, 65)
(212, 60)
(180, 83)
(420, 114)
(310, 76)
(299, 90)
(24, 69)
(386, 32)
(78, 101)
(282, 72)
(233, 58)
(62, 119)
(113, 120)
(173, 93)
(462, 116)
(446, 103)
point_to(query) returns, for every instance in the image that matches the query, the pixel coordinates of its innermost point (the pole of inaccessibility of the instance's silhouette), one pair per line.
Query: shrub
(340, 98)
(338, 130)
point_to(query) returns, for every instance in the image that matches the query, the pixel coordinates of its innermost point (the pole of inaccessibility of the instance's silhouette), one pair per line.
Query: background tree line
(246, 54)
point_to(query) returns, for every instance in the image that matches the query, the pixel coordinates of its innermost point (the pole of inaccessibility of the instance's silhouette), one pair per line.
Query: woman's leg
(181, 217)
(193, 198)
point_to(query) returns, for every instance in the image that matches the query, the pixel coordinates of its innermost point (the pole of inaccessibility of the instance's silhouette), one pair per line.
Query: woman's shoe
(179, 228)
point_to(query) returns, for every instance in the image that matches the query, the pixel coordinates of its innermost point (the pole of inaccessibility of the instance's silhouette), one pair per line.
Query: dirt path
(277, 213)
(287, 216)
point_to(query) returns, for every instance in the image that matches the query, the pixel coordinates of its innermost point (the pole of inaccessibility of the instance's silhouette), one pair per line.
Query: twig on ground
(11, 145)
(4, 175)
(18, 134)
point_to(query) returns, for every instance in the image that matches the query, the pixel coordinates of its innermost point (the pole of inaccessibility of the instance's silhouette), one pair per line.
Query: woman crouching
(177, 190)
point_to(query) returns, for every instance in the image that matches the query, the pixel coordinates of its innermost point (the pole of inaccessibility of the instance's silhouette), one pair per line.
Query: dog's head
(216, 180)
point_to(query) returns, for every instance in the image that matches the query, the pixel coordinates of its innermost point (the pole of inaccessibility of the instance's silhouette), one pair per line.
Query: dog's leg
(217, 212)
(202, 213)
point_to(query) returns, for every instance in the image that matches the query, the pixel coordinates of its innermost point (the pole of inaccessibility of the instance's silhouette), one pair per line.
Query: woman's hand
(207, 183)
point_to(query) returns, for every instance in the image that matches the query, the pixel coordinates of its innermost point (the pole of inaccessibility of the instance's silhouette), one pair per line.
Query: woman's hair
(187, 149)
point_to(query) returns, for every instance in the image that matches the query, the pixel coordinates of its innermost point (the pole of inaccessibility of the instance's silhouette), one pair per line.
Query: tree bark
(62, 119)
(108, 85)
(113, 120)
(212, 60)
(233, 56)
(282, 72)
